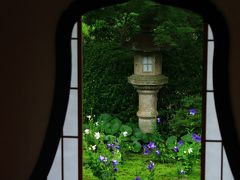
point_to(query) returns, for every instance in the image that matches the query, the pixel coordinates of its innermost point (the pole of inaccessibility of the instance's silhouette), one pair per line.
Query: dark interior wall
(27, 77)
(27, 70)
(230, 9)
(232, 14)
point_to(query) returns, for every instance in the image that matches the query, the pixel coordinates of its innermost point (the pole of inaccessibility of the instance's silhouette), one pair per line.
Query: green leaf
(136, 146)
(187, 138)
(171, 141)
(138, 134)
(109, 138)
(145, 138)
(113, 126)
(126, 128)
(104, 118)
(133, 138)
(107, 128)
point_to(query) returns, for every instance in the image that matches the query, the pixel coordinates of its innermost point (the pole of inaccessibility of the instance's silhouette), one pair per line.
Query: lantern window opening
(147, 64)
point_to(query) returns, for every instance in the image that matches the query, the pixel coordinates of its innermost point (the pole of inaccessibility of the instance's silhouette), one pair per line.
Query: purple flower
(137, 178)
(196, 138)
(157, 152)
(158, 119)
(182, 172)
(115, 169)
(175, 149)
(180, 143)
(151, 145)
(108, 146)
(150, 166)
(192, 111)
(115, 162)
(101, 158)
(145, 150)
(117, 147)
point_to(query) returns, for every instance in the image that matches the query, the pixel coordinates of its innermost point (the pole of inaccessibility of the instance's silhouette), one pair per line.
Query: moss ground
(137, 163)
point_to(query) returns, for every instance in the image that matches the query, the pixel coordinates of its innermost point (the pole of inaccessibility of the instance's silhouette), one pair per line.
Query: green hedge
(105, 85)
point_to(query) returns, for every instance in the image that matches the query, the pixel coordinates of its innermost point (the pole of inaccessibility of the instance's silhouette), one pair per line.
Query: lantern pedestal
(147, 88)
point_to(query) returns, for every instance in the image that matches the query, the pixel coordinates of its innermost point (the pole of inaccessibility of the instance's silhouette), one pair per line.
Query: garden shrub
(105, 86)
(188, 117)
(104, 149)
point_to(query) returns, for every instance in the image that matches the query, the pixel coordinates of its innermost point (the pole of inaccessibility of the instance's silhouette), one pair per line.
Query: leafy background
(108, 61)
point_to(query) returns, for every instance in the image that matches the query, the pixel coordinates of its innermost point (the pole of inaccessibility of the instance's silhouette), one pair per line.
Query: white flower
(87, 131)
(94, 147)
(105, 159)
(96, 123)
(97, 135)
(182, 172)
(89, 117)
(125, 133)
(190, 150)
(185, 151)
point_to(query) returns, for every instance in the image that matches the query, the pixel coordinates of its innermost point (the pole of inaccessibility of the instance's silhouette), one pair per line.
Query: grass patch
(136, 164)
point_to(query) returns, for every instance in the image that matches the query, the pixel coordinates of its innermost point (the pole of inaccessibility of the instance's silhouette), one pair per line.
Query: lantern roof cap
(144, 42)
(144, 39)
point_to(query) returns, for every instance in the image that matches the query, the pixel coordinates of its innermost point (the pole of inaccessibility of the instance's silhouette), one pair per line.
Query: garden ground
(128, 170)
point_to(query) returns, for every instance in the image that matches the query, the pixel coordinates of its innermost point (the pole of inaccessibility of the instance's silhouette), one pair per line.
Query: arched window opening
(66, 164)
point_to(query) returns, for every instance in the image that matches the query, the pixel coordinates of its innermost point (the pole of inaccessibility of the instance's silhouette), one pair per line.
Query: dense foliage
(105, 88)
(108, 63)
(107, 143)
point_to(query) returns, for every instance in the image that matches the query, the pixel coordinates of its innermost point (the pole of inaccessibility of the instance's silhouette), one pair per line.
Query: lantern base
(146, 124)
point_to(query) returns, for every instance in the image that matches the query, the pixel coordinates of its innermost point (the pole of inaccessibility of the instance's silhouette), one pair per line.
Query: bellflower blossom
(182, 172)
(192, 111)
(101, 158)
(145, 150)
(115, 162)
(151, 145)
(97, 135)
(108, 146)
(196, 138)
(180, 143)
(105, 159)
(87, 131)
(150, 166)
(175, 149)
(94, 147)
(158, 119)
(137, 178)
(190, 150)
(157, 152)
(125, 133)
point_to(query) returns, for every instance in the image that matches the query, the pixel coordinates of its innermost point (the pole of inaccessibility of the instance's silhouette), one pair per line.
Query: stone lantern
(147, 78)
